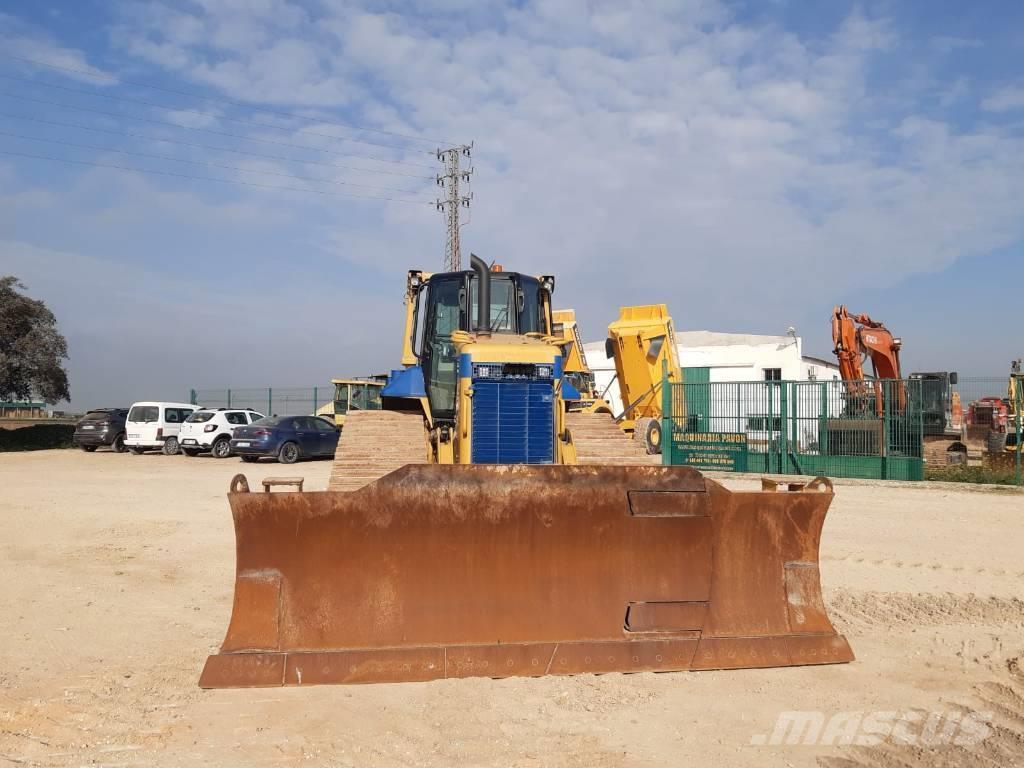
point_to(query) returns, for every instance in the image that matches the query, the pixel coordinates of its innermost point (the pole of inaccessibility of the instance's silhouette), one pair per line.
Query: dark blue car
(285, 438)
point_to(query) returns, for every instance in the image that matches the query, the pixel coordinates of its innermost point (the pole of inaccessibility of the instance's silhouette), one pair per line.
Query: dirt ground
(115, 584)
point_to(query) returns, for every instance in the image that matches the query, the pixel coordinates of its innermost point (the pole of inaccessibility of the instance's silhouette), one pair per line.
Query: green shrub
(38, 437)
(962, 473)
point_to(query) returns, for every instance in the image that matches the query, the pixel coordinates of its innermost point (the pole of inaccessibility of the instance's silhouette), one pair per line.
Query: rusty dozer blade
(496, 571)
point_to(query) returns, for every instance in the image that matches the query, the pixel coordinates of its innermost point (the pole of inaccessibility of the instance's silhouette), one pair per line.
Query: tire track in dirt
(999, 705)
(886, 562)
(898, 610)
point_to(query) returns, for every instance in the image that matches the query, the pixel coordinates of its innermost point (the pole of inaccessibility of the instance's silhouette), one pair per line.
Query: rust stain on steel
(455, 571)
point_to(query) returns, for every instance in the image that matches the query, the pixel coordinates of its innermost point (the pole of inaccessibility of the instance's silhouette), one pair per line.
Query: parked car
(152, 425)
(211, 429)
(101, 426)
(286, 438)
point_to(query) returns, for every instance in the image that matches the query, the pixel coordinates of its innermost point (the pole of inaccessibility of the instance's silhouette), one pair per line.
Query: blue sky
(750, 164)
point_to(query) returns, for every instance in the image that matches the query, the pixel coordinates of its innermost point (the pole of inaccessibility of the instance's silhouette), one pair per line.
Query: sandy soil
(116, 574)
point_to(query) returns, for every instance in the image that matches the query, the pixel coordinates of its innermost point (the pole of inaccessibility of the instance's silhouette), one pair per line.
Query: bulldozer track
(375, 443)
(599, 440)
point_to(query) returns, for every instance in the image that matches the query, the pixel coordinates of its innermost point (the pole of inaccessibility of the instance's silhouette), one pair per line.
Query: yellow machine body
(643, 344)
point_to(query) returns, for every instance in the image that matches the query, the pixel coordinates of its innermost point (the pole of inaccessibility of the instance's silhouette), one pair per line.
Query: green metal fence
(796, 427)
(885, 429)
(992, 427)
(270, 401)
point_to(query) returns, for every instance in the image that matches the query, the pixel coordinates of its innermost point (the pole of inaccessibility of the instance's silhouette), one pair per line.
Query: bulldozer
(474, 526)
(577, 371)
(351, 395)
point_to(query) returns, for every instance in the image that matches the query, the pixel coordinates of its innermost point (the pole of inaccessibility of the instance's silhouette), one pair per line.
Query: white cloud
(641, 151)
(951, 43)
(1009, 98)
(22, 40)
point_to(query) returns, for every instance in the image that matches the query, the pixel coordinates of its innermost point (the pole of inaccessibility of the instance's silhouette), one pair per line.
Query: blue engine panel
(513, 420)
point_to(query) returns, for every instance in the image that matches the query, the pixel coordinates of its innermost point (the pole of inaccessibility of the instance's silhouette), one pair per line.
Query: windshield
(515, 304)
(98, 415)
(144, 414)
(199, 417)
(503, 303)
(269, 421)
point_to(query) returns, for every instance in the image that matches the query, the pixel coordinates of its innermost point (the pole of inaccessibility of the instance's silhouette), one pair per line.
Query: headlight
(544, 371)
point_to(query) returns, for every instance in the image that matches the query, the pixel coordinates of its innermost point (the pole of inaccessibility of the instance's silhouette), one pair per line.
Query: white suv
(210, 429)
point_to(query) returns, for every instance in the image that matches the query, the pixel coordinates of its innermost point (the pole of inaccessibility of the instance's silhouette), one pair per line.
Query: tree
(32, 350)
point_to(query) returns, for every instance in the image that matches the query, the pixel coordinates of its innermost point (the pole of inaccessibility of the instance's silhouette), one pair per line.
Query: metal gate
(831, 428)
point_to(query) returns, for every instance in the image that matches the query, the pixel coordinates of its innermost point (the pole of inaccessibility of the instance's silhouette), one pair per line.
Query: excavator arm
(856, 337)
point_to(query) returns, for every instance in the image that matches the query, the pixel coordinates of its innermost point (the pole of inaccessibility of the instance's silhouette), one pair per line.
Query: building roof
(693, 339)
(821, 361)
(717, 339)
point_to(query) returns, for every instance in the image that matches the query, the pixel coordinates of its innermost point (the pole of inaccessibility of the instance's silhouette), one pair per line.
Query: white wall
(729, 356)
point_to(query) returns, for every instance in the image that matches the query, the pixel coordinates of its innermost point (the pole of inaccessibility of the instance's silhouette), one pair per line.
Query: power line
(208, 178)
(202, 163)
(242, 105)
(211, 131)
(198, 112)
(195, 145)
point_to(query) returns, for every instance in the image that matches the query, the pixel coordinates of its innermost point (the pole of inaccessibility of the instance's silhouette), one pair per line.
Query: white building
(749, 407)
(716, 357)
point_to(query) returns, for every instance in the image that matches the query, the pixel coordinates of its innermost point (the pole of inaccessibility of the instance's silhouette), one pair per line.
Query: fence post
(1019, 418)
(783, 427)
(270, 401)
(740, 426)
(886, 436)
(314, 400)
(823, 414)
(666, 415)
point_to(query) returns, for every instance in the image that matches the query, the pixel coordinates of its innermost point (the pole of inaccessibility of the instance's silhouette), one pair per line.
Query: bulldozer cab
(447, 303)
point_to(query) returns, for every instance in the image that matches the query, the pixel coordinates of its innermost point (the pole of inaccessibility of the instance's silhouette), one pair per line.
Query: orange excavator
(856, 338)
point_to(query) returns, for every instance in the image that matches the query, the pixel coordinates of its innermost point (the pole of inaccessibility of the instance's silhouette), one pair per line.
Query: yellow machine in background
(577, 371)
(643, 344)
(352, 395)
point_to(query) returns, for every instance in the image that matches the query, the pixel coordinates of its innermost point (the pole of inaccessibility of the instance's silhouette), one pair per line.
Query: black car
(101, 426)
(286, 438)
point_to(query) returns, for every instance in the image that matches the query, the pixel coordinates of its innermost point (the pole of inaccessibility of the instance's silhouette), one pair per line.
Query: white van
(155, 425)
